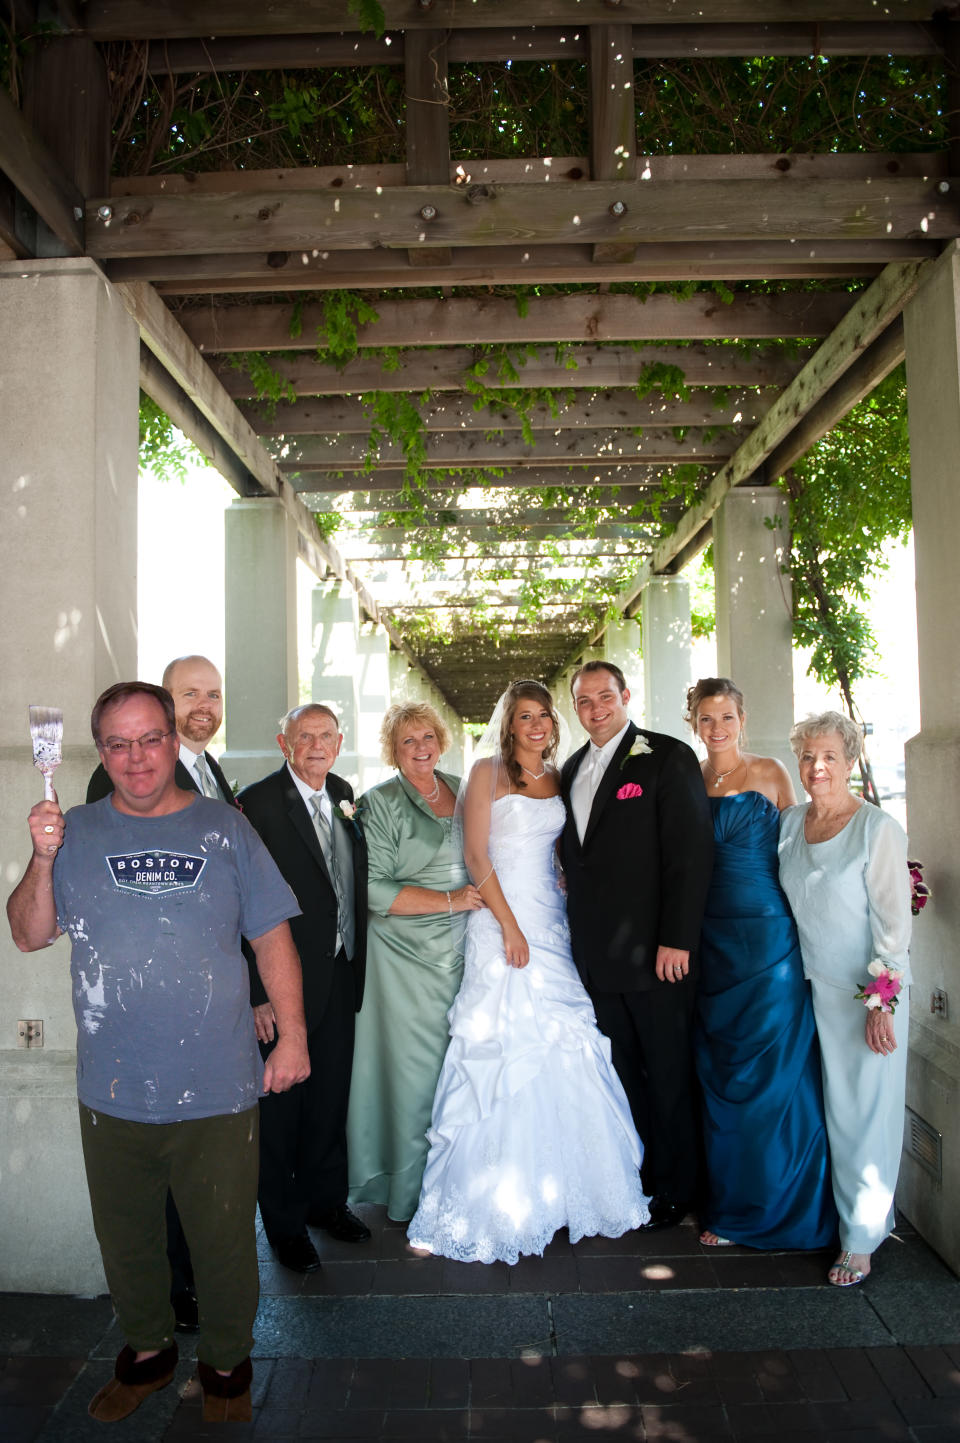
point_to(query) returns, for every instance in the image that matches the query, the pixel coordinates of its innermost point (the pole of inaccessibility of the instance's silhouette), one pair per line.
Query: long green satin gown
(414, 965)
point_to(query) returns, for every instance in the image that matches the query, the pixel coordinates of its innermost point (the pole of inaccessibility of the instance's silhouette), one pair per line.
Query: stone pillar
(260, 630)
(754, 622)
(373, 688)
(336, 663)
(69, 367)
(665, 611)
(932, 321)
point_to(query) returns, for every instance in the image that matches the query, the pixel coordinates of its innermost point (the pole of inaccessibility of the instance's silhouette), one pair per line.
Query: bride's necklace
(536, 775)
(435, 794)
(721, 776)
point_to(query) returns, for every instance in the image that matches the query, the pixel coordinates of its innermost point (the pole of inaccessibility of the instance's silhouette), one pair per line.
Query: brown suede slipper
(131, 1383)
(226, 1399)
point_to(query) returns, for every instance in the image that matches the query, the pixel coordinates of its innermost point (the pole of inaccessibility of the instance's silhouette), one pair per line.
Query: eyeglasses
(116, 746)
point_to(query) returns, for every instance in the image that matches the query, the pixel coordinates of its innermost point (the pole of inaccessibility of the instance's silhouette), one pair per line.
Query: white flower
(882, 969)
(873, 999)
(640, 748)
(347, 810)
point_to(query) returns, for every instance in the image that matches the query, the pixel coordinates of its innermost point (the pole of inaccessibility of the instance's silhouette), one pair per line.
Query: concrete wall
(69, 388)
(932, 323)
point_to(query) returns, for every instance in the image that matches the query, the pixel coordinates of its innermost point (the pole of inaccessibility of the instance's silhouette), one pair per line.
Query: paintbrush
(46, 731)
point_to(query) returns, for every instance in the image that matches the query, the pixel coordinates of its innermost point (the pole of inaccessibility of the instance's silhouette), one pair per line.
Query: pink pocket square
(628, 790)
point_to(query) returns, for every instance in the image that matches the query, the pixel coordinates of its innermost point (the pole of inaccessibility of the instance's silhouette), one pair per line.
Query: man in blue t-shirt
(155, 886)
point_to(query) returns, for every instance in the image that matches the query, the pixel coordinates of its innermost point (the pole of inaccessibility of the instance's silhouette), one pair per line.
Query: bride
(531, 1130)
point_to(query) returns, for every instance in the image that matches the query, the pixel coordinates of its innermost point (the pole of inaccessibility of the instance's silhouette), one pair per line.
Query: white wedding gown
(531, 1129)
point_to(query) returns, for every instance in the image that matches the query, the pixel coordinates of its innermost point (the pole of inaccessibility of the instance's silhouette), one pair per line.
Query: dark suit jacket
(100, 784)
(278, 812)
(639, 880)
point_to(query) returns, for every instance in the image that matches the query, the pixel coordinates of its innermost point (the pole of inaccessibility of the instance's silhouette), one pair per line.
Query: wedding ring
(48, 829)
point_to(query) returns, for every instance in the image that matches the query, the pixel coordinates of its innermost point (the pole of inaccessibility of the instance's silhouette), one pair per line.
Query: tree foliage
(163, 449)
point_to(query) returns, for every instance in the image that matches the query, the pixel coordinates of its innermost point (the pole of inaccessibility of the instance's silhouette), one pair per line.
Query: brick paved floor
(641, 1338)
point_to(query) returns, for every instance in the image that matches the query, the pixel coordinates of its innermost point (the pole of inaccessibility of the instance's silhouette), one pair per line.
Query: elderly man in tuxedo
(637, 851)
(304, 814)
(197, 690)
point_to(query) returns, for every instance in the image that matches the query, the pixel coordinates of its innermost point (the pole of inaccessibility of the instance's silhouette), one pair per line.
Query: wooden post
(428, 125)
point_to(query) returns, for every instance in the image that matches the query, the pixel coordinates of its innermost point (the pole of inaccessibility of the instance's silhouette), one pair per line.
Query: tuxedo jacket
(100, 784)
(276, 809)
(639, 879)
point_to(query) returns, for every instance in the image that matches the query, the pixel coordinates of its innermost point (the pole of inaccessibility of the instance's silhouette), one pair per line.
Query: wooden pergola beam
(39, 178)
(597, 211)
(596, 367)
(621, 475)
(145, 20)
(578, 317)
(653, 445)
(343, 416)
(650, 42)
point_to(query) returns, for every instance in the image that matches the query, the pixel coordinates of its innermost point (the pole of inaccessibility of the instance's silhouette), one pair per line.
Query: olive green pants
(210, 1164)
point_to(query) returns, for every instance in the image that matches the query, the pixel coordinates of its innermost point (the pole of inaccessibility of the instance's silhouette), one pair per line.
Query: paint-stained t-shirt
(155, 908)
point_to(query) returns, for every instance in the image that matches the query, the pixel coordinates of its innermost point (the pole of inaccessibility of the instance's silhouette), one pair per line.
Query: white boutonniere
(640, 748)
(346, 810)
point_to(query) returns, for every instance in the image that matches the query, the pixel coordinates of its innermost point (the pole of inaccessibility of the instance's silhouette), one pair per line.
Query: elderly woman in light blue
(843, 866)
(418, 886)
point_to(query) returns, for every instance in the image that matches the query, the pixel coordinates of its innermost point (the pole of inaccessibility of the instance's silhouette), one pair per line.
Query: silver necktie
(208, 786)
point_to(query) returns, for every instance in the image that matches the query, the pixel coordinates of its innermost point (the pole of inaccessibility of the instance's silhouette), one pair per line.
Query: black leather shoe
(185, 1311)
(296, 1253)
(340, 1223)
(664, 1213)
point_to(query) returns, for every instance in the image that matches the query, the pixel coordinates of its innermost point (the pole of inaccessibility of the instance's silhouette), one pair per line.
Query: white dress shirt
(589, 776)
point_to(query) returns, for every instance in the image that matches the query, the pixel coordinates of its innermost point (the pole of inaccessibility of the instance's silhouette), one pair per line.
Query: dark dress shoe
(297, 1253)
(664, 1213)
(185, 1311)
(340, 1223)
(131, 1383)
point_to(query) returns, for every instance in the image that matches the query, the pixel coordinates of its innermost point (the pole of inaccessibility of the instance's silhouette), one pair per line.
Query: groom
(637, 850)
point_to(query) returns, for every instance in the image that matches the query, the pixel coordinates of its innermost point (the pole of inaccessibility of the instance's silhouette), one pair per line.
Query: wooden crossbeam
(387, 552)
(280, 271)
(39, 178)
(145, 20)
(651, 42)
(426, 216)
(597, 367)
(491, 519)
(344, 416)
(578, 317)
(652, 445)
(636, 480)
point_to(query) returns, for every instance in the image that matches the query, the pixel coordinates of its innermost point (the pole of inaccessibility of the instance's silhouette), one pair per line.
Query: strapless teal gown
(758, 1060)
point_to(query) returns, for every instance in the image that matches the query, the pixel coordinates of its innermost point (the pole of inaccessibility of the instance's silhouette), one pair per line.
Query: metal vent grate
(924, 1144)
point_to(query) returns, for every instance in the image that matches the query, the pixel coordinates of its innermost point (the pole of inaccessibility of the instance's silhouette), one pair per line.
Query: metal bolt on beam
(428, 212)
(618, 208)
(105, 212)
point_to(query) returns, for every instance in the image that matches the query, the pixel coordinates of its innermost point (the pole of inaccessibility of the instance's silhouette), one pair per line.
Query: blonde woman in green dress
(418, 885)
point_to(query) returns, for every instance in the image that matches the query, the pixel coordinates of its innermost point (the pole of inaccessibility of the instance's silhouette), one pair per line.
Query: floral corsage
(348, 813)
(919, 891)
(640, 748)
(884, 990)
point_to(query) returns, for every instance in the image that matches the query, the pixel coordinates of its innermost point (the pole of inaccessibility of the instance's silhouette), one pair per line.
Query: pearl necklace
(433, 796)
(721, 776)
(536, 775)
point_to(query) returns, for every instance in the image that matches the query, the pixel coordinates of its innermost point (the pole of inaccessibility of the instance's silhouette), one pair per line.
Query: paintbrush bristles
(46, 732)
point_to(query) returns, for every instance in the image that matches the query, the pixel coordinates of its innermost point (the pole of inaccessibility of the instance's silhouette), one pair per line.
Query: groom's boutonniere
(639, 749)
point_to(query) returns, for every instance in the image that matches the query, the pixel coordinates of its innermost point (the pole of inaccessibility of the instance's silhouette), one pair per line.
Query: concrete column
(260, 629)
(932, 322)
(69, 366)
(373, 699)
(754, 625)
(336, 666)
(622, 647)
(665, 611)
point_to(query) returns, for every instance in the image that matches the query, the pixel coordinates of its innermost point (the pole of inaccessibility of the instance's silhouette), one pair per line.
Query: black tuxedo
(100, 784)
(637, 882)
(303, 1149)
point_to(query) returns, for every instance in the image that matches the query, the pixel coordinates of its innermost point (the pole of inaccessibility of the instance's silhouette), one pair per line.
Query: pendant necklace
(536, 775)
(720, 776)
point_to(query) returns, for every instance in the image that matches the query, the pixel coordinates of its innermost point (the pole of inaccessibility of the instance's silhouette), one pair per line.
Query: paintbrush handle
(48, 795)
